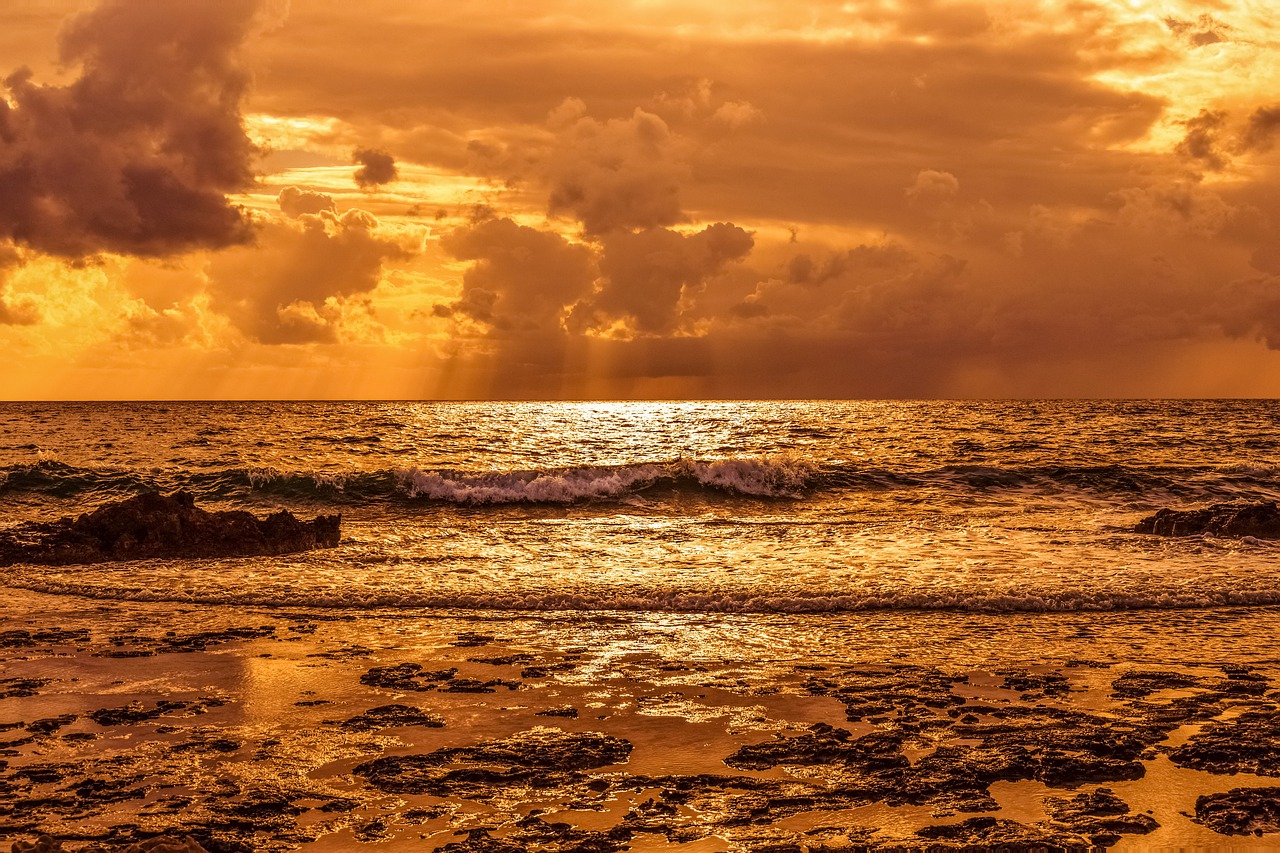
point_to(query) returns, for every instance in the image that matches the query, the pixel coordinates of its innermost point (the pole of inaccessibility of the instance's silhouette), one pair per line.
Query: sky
(566, 199)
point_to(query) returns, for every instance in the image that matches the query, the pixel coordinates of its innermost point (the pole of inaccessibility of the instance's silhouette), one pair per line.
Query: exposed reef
(1241, 811)
(153, 525)
(1260, 520)
(141, 761)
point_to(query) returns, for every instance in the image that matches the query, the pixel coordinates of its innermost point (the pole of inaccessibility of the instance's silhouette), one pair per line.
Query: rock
(392, 716)
(988, 833)
(406, 676)
(136, 712)
(1261, 520)
(470, 639)
(1249, 743)
(1101, 816)
(156, 526)
(569, 713)
(824, 745)
(22, 687)
(540, 758)
(1241, 811)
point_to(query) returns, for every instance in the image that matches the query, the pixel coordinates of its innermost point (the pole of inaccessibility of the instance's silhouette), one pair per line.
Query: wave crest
(750, 477)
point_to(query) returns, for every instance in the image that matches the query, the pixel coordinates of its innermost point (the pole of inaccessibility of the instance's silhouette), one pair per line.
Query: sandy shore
(282, 730)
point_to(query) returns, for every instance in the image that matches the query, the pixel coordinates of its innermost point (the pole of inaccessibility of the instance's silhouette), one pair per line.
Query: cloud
(294, 202)
(933, 187)
(13, 312)
(303, 279)
(648, 276)
(1201, 140)
(1203, 31)
(1251, 308)
(1174, 208)
(615, 174)
(376, 168)
(137, 155)
(1260, 133)
(522, 278)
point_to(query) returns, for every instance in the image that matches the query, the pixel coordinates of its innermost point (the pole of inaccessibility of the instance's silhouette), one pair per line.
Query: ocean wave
(670, 601)
(749, 477)
(760, 478)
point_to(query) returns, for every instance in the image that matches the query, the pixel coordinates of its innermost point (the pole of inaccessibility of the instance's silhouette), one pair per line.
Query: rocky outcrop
(1261, 520)
(540, 759)
(153, 525)
(1241, 811)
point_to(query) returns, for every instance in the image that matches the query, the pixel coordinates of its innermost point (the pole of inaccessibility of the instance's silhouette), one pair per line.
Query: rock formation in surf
(154, 525)
(1261, 520)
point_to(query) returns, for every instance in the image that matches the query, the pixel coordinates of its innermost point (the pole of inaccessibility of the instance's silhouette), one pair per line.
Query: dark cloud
(1205, 30)
(294, 202)
(138, 154)
(376, 168)
(859, 261)
(648, 276)
(293, 286)
(522, 278)
(1203, 137)
(1251, 308)
(1261, 131)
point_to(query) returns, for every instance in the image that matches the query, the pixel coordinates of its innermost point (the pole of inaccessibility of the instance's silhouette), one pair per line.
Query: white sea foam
(752, 477)
(779, 477)
(565, 486)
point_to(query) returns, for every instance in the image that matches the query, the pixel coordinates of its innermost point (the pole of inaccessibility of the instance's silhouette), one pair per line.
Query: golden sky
(661, 199)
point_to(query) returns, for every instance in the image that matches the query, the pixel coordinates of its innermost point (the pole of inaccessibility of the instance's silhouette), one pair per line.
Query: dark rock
(544, 670)
(1261, 520)
(504, 660)
(1050, 684)
(21, 687)
(569, 713)
(539, 758)
(823, 745)
(422, 815)
(1241, 811)
(49, 725)
(1139, 684)
(1249, 743)
(19, 638)
(374, 830)
(136, 712)
(475, 685)
(471, 639)
(154, 525)
(1101, 816)
(406, 676)
(390, 716)
(989, 833)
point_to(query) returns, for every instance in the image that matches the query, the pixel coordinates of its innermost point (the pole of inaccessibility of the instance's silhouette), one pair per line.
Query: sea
(930, 529)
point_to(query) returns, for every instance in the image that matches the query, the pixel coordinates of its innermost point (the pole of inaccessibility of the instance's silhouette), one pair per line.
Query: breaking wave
(760, 477)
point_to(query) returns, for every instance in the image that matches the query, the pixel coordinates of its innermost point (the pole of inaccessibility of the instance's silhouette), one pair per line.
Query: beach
(268, 730)
(705, 627)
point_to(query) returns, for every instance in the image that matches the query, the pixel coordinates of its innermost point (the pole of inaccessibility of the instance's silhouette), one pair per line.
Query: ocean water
(771, 508)
(681, 569)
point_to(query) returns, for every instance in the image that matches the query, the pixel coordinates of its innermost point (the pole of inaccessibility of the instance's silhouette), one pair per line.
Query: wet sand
(280, 730)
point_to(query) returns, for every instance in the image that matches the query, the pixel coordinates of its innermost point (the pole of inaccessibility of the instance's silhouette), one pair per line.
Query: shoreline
(320, 731)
